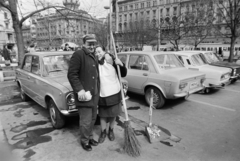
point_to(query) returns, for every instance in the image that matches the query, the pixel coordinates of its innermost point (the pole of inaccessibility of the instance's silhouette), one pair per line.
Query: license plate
(193, 85)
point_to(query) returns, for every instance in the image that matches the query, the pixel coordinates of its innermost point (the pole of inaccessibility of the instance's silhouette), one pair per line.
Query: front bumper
(73, 112)
(184, 94)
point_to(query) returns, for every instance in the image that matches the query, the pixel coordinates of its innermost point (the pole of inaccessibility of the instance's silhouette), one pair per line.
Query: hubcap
(53, 115)
(156, 98)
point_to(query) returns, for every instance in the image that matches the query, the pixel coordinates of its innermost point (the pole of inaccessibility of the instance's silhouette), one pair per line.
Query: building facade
(66, 25)
(6, 29)
(159, 12)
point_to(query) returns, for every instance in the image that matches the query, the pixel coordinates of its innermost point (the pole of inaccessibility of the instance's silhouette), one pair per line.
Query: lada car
(161, 72)
(212, 59)
(216, 77)
(43, 78)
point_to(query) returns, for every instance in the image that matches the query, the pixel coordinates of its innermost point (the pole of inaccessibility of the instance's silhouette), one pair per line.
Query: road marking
(200, 102)
(231, 90)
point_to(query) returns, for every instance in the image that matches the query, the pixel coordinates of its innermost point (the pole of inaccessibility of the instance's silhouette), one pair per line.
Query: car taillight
(182, 85)
(70, 99)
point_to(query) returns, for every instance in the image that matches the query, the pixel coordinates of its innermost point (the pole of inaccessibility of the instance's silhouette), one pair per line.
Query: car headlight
(202, 80)
(70, 99)
(182, 85)
(225, 76)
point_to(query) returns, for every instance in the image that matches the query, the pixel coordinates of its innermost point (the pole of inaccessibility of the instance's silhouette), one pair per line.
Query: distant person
(31, 48)
(66, 48)
(6, 54)
(220, 52)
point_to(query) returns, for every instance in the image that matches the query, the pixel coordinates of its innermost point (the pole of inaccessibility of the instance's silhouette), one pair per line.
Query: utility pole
(110, 25)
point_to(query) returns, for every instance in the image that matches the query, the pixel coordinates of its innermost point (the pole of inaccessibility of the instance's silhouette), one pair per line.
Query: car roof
(187, 53)
(147, 52)
(50, 53)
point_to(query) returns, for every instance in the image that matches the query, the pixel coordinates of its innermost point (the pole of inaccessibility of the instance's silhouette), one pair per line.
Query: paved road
(208, 125)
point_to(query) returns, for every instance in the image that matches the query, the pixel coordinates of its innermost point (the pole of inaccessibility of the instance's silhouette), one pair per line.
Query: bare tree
(228, 15)
(201, 19)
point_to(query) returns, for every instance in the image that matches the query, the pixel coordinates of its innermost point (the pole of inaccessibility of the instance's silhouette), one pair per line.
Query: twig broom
(131, 144)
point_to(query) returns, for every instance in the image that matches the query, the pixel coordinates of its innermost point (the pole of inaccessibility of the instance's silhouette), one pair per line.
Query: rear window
(168, 61)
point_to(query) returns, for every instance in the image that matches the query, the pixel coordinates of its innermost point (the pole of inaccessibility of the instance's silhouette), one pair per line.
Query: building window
(125, 17)
(125, 8)
(154, 13)
(155, 3)
(142, 5)
(168, 1)
(136, 6)
(168, 10)
(161, 13)
(174, 10)
(120, 18)
(148, 4)
(131, 7)
(136, 16)
(130, 15)
(148, 13)
(161, 2)
(5, 15)
(7, 25)
(120, 9)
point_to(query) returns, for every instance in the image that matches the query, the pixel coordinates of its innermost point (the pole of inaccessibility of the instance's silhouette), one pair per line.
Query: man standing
(83, 76)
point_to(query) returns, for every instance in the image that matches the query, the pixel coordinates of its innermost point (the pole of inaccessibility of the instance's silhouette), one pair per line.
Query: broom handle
(120, 78)
(150, 108)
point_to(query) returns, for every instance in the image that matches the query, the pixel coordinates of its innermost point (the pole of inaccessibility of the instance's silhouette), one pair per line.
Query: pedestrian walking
(67, 48)
(31, 48)
(6, 55)
(83, 76)
(110, 94)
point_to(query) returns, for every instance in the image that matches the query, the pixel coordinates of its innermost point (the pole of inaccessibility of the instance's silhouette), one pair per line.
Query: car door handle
(145, 74)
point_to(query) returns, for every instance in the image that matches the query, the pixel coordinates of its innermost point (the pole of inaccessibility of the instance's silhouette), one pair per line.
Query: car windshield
(168, 61)
(211, 57)
(56, 64)
(198, 59)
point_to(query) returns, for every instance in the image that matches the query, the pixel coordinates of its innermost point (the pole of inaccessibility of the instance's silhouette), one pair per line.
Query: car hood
(214, 69)
(184, 73)
(225, 64)
(63, 80)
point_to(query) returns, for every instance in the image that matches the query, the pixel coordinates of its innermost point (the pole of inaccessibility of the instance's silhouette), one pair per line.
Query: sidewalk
(9, 91)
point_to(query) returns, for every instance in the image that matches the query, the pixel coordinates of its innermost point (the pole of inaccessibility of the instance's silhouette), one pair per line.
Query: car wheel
(158, 98)
(57, 119)
(23, 95)
(233, 81)
(207, 90)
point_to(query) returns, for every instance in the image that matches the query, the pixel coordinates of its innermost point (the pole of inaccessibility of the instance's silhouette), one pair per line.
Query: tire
(206, 90)
(233, 81)
(23, 95)
(158, 98)
(57, 119)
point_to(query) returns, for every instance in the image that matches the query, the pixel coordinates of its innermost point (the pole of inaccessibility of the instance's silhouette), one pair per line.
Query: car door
(35, 82)
(24, 75)
(138, 73)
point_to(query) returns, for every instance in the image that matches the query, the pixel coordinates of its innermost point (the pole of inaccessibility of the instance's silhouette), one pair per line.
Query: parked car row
(43, 77)
(175, 74)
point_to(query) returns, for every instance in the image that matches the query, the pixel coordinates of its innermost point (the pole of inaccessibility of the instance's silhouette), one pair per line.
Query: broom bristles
(131, 144)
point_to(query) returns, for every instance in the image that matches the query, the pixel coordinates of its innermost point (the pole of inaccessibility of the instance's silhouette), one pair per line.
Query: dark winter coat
(83, 74)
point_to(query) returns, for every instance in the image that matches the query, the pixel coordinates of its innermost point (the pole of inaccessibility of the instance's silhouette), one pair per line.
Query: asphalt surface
(208, 125)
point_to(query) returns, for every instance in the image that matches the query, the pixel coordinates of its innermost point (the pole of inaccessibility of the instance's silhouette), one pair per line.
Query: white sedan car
(216, 77)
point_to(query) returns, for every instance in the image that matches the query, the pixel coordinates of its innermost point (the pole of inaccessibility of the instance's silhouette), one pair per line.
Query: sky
(94, 7)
